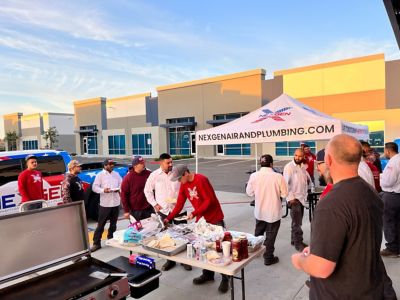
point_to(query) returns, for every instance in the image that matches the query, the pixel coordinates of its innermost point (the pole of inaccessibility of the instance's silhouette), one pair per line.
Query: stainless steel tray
(170, 251)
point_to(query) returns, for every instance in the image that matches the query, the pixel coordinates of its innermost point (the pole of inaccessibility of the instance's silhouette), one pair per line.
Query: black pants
(105, 214)
(142, 214)
(391, 220)
(271, 231)
(296, 213)
(210, 274)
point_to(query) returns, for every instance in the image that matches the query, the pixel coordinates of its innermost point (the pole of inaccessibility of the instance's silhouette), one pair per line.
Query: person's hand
(157, 208)
(292, 202)
(126, 215)
(306, 251)
(190, 216)
(107, 190)
(166, 222)
(296, 260)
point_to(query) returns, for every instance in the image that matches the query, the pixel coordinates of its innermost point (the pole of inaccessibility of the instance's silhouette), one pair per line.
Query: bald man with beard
(346, 233)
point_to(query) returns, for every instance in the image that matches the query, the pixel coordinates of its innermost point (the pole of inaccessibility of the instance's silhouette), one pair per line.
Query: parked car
(53, 165)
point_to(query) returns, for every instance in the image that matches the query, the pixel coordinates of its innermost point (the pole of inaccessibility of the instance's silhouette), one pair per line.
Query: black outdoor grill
(55, 238)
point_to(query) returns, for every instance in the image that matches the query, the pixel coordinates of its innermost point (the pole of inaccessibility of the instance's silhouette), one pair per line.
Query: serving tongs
(160, 220)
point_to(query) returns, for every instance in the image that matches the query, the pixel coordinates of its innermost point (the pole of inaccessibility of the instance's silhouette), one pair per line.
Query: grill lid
(35, 240)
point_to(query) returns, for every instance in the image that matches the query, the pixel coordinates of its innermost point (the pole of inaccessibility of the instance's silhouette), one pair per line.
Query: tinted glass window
(9, 170)
(51, 165)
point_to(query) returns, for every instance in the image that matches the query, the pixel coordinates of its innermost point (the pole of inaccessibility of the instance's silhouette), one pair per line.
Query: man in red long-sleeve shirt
(30, 182)
(132, 191)
(198, 189)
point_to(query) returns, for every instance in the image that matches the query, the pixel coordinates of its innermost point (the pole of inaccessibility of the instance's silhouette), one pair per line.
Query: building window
(376, 134)
(116, 144)
(30, 145)
(142, 144)
(179, 136)
(288, 148)
(232, 149)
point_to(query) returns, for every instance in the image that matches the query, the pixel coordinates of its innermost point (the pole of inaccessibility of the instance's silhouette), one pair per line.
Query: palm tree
(11, 139)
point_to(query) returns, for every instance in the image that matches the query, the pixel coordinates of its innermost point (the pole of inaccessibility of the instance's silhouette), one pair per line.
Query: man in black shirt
(72, 188)
(343, 258)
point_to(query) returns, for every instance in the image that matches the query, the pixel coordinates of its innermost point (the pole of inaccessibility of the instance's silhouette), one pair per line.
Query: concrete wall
(202, 99)
(393, 84)
(271, 89)
(90, 112)
(356, 84)
(67, 142)
(127, 122)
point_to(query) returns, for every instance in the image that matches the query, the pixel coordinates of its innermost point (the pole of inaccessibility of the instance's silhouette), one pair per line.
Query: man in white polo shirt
(268, 187)
(390, 183)
(107, 183)
(298, 181)
(161, 192)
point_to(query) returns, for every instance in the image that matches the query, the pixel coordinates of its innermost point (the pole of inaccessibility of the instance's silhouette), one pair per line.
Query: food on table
(212, 255)
(170, 200)
(165, 242)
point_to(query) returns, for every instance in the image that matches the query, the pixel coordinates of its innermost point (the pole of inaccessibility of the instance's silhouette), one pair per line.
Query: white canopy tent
(283, 119)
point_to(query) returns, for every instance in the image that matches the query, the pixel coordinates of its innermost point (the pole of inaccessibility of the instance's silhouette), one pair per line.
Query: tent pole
(256, 157)
(197, 158)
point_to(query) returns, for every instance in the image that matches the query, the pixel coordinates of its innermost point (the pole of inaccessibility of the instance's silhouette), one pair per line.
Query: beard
(327, 176)
(298, 162)
(321, 180)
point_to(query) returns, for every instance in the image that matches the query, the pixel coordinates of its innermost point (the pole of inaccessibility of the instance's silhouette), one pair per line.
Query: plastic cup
(226, 248)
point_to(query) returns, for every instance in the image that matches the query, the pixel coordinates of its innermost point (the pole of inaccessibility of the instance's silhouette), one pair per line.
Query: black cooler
(141, 280)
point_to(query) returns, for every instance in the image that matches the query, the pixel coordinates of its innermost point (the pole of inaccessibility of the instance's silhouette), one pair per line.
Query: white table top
(229, 270)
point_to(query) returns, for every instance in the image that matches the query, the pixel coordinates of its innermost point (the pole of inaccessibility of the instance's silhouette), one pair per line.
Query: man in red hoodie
(30, 182)
(132, 191)
(198, 189)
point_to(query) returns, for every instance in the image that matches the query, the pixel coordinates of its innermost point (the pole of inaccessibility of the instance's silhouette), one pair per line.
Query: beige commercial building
(29, 130)
(364, 90)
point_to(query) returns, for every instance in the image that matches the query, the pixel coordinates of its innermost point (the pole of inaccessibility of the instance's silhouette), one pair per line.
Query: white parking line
(236, 162)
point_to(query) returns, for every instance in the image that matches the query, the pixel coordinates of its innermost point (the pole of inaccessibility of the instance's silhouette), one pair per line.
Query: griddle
(53, 240)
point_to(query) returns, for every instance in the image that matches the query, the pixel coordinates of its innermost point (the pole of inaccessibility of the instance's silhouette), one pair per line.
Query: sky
(55, 52)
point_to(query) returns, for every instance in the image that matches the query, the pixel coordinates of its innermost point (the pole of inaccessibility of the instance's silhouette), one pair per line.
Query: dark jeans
(296, 213)
(271, 231)
(105, 214)
(210, 274)
(388, 290)
(391, 220)
(142, 214)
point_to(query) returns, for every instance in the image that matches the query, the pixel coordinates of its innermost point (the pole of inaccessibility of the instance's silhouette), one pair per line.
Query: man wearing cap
(30, 182)
(298, 180)
(268, 187)
(107, 183)
(324, 177)
(198, 189)
(72, 187)
(132, 191)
